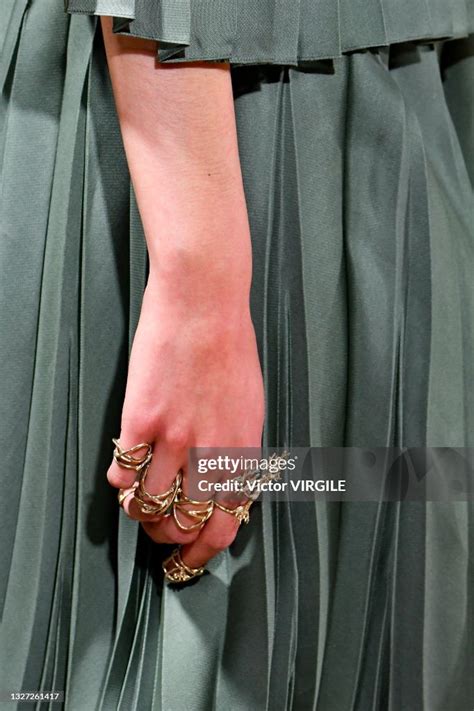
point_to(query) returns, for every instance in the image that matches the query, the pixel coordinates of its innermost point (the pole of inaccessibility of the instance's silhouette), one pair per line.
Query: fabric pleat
(456, 61)
(357, 172)
(279, 31)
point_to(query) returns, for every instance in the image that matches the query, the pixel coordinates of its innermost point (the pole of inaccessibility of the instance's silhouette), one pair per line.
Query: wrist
(206, 291)
(195, 273)
(209, 323)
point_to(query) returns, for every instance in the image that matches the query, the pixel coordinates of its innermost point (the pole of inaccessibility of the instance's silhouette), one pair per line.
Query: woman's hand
(194, 381)
(194, 378)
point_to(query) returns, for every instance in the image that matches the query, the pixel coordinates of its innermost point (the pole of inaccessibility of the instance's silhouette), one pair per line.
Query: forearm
(179, 134)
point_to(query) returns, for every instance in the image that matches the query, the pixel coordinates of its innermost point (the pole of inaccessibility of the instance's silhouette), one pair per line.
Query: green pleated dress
(355, 129)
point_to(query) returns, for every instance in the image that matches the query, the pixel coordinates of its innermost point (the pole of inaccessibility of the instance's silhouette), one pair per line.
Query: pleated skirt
(358, 177)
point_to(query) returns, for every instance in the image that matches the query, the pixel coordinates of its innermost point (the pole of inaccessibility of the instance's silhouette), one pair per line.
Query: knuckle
(141, 420)
(206, 451)
(139, 423)
(222, 539)
(117, 479)
(177, 437)
(182, 538)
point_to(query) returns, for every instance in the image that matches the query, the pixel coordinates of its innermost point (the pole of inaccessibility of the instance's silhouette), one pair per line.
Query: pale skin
(194, 376)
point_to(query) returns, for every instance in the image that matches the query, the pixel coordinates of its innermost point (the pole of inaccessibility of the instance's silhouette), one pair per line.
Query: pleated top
(279, 31)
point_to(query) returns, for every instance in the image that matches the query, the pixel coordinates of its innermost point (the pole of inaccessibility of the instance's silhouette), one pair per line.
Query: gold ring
(197, 511)
(241, 512)
(124, 494)
(178, 572)
(125, 457)
(156, 504)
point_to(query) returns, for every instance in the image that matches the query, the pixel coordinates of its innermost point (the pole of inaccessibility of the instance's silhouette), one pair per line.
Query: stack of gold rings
(189, 514)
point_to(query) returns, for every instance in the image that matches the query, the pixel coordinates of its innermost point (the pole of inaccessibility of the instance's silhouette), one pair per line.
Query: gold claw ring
(125, 457)
(178, 572)
(198, 511)
(241, 512)
(154, 504)
(123, 494)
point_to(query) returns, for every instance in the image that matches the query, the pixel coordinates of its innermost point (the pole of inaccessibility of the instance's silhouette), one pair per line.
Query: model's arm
(194, 376)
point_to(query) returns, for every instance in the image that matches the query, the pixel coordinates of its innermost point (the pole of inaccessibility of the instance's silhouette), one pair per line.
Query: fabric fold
(14, 13)
(271, 31)
(360, 210)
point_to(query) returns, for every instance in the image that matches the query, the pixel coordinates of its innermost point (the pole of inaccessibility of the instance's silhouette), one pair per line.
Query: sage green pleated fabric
(356, 171)
(279, 31)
